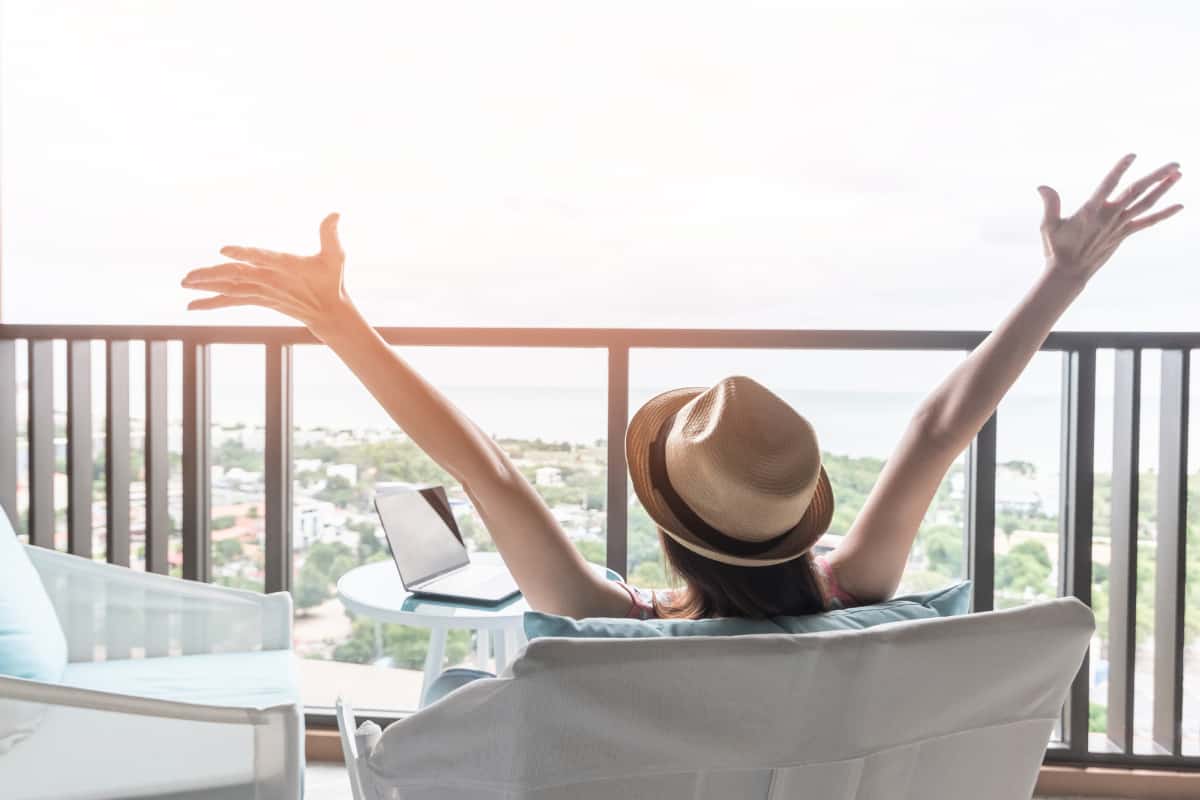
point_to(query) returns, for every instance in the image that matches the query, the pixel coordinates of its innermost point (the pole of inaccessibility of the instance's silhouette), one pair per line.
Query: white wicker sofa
(172, 689)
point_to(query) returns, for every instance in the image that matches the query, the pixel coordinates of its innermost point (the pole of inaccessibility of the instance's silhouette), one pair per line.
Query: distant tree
(943, 549)
(1024, 568)
(1026, 469)
(322, 555)
(341, 565)
(339, 491)
(311, 589)
(591, 550)
(252, 512)
(232, 453)
(406, 646)
(223, 523)
(227, 550)
(649, 575)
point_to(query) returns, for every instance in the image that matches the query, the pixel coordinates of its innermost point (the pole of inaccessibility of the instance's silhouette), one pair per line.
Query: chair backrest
(932, 709)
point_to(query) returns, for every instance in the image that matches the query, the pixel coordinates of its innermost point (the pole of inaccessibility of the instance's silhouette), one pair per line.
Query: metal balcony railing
(1078, 438)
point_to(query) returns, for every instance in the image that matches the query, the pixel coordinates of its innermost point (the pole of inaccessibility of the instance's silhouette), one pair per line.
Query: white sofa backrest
(110, 612)
(931, 710)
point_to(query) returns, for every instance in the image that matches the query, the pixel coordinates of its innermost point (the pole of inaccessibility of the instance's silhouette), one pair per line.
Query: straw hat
(732, 472)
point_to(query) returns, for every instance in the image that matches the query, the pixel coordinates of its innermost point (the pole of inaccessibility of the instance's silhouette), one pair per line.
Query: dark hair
(714, 589)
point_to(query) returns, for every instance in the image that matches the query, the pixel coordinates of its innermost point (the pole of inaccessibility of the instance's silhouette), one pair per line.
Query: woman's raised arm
(548, 569)
(871, 559)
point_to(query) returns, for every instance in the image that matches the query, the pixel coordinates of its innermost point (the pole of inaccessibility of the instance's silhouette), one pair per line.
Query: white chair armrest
(272, 755)
(53, 694)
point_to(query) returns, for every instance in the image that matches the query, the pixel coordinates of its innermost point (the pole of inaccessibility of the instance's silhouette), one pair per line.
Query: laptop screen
(423, 546)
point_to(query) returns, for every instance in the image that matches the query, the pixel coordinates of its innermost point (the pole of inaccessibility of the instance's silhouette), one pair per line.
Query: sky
(690, 164)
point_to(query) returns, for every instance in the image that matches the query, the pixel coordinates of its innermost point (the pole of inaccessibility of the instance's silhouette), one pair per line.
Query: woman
(731, 475)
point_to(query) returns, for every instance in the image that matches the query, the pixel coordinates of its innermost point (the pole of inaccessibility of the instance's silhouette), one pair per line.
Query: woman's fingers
(1135, 225)
(1111, 180)
(1052, 203)
(260, 258)
(1147, 202)
(1137, 188)
(226, 301)
(330, 246)
(220, 272)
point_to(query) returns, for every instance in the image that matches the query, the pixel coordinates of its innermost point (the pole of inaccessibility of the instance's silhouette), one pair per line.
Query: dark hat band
(684, 513)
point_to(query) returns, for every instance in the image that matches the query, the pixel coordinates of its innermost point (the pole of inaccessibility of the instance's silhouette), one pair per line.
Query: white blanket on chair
(947, 708)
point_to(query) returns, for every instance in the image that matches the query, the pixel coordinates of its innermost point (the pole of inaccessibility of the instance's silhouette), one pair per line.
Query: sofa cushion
(949, 601)
(259, 680)
(32, 644)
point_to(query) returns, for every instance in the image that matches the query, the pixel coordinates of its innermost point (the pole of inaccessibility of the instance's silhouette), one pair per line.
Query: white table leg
(433, 658)
(481, 649)
(501, 647)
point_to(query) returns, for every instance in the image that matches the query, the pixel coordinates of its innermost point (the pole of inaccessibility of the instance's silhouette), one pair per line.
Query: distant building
(306, 525)
(548, 476)
(307, 465)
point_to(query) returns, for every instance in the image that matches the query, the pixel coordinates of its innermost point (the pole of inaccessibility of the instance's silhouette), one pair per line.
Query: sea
(857, 424)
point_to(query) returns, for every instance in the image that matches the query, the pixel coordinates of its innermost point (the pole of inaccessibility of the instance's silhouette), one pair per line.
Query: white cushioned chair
(172, 688)
(937, 709)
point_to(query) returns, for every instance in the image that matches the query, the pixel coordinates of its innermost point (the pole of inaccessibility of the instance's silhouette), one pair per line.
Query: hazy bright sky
(701, 164)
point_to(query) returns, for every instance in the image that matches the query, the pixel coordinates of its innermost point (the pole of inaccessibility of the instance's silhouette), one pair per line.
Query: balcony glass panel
(236, 465)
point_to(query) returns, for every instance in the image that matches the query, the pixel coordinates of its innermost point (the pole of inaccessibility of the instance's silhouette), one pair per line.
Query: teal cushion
(259, 679)
(32, 644)
(950, 601)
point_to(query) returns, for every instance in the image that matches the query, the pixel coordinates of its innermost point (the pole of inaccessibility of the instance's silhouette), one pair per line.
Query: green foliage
(224, 523)
(1097, 718)
(227, 550)
(591, 550)
(404, 645)
(239, 582)
(943, 547)
(232, 453)
(323, 565)
(650, 575)
(1024, 569)
(311, 589)
(339, 491)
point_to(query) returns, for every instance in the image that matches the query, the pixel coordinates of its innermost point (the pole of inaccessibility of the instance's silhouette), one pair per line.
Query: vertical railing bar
(981, 516)
(1122, 581)
(278, 468)
(8, 431)
(617, 498)
(158, 520)
(197, 425)
(1171, 552)
(116, 451)
(79, 447)
(1075, 554)
(41, 442)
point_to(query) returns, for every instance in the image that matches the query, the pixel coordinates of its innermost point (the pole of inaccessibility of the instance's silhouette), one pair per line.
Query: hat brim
(642, 431)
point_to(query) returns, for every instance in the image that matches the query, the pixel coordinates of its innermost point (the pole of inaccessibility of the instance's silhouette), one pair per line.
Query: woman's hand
(306, 288)
(1080, 244)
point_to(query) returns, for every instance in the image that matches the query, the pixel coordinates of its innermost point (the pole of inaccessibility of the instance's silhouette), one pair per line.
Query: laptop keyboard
(473, 580)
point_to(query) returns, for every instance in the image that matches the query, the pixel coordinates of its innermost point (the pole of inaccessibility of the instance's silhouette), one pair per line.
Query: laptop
(429, 552)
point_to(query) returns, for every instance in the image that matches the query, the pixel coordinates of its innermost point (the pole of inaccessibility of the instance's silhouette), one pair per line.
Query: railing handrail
(699, 338)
